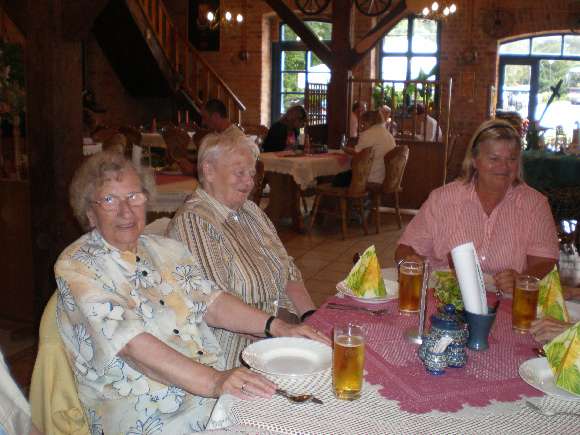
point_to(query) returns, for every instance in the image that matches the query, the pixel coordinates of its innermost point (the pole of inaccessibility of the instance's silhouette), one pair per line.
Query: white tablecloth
(170, 196)
(373, 414)
(305, 169)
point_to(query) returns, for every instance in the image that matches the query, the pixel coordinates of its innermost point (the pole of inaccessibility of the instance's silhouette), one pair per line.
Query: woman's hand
(283, 329)
(243, 383)
(506, 280)
(546, 329)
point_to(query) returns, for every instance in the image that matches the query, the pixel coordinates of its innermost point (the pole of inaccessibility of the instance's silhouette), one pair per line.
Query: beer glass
(348, 358)
(525, 302)
(410, 282)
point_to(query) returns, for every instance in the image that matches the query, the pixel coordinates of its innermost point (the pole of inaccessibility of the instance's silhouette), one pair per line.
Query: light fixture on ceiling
(215, 18)
(439, 10)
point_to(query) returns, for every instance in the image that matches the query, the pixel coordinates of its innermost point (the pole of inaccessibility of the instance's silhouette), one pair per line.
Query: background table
(289, 176)
(172, 190)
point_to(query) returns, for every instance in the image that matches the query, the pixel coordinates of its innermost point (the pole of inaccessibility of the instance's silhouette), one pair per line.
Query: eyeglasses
(113, 202)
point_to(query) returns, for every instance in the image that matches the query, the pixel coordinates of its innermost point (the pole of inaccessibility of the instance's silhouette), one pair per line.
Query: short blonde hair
(91, 175)
(490, 130)
(216, 145)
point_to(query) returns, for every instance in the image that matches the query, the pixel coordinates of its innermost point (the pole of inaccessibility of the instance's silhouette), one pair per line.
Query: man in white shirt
(358, 108)
(429, 130)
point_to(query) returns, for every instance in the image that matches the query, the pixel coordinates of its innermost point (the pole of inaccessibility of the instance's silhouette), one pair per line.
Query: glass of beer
(525, 303)
(348, 359)
(410, 282)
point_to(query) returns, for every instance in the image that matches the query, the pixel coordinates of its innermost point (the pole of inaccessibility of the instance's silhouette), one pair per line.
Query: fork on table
(335, 306)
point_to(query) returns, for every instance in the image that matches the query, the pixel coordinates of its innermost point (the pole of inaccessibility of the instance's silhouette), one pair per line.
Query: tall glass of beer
(348, 359)
(410, 281)
(525, 302)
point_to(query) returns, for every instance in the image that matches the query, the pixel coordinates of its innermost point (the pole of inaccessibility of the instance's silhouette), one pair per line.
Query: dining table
(290, 174)
(400, 396)
(172, 190)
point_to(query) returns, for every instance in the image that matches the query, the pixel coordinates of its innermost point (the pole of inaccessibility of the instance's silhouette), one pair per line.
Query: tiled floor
(323, 257)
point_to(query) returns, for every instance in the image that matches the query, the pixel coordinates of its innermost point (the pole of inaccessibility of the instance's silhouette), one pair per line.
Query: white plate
(537, 373)
(288, 356)
(391, 285)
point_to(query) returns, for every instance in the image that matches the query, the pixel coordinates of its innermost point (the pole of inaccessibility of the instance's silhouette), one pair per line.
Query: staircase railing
(199, 80)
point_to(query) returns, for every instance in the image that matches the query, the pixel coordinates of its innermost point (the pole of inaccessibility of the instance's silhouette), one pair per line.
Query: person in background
(429, 130)
(214, 116)
(510, 223)
(390, 124)
(14, 409)
(283, 134)
(235, 243)
(134, 313)
(373, 134)
(358, 108)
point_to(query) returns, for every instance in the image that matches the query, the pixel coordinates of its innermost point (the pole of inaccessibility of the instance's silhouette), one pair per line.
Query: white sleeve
(14, 409)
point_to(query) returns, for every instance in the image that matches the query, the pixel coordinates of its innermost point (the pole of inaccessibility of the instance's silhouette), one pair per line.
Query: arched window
(410, 50)
(530, 67)
(293, 65)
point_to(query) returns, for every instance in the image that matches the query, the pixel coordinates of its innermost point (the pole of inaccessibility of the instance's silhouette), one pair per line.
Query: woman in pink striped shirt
(509, 223)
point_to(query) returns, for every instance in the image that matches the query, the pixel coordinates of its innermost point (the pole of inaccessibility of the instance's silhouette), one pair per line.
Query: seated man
(283, 134)
(358, 108)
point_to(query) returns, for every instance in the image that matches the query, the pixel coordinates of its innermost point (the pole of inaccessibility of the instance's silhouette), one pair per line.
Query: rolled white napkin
(470, 278)
(137, 155)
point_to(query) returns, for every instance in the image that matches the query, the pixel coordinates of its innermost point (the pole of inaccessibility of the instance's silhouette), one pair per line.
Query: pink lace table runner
(393, 363)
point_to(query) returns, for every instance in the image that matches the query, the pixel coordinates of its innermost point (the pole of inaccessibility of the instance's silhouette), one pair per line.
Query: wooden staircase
(153, 59)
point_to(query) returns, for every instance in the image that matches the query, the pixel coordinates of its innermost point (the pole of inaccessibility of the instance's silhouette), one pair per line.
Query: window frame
(409, 54)
(277, 71)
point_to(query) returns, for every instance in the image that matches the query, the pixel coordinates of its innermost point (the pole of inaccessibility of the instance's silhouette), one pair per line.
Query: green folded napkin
(365, 279)
(563, 354)
(551, 299)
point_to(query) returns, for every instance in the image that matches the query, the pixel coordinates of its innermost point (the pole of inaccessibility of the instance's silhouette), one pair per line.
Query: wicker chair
(177, 141)
(256, 193)
(361, 165)
(395, 164)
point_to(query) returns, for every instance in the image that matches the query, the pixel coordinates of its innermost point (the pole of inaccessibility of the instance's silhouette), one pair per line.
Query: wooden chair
(177, 141)
(361, 165)
(117, 143)
(256, 193)
(395, 163)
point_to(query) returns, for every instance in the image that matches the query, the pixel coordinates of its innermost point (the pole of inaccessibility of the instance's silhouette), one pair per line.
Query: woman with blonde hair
(509, 223)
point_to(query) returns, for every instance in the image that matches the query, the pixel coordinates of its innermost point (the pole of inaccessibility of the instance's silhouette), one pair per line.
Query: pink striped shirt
(520, 225)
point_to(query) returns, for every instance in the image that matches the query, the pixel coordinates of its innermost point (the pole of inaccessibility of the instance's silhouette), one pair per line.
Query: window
(410, 50)
(529, 68)
(294, 66)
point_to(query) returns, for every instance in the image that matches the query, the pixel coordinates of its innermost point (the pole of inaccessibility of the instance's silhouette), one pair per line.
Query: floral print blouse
(106, 298)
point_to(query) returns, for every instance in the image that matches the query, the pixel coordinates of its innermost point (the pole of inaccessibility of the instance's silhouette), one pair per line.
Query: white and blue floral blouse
(108, 297)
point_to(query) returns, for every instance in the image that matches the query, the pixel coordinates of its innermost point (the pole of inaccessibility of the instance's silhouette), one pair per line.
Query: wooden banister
(198, 78)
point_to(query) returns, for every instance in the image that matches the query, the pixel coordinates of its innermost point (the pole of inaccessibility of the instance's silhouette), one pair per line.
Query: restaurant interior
(80, 76)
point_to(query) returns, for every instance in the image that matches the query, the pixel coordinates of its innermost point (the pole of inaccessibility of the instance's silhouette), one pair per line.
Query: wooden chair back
(132, 134)
(117, 143)
(395, 164)
(256, 194)
(177, 141)
(361, 167)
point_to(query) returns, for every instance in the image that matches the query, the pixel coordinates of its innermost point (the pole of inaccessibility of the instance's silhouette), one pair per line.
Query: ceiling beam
(17, 12)
(78, 17)
(374, 35)
(302, 30)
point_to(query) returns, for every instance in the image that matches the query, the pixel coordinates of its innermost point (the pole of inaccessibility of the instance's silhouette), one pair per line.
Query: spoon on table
(549, 412)
(298, 398)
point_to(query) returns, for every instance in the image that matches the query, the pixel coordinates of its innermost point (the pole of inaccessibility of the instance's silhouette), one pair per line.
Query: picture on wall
(203, 34)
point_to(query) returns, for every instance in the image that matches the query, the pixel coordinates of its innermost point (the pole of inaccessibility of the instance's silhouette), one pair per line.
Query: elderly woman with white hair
(134, 314)
(234, 241)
